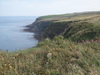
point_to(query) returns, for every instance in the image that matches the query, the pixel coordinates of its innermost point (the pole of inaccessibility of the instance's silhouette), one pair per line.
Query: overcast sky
(46, 7)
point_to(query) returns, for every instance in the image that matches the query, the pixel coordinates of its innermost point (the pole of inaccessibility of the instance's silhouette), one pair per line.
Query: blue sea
(12, 38)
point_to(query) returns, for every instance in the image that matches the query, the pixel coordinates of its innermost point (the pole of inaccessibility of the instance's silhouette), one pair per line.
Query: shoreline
(37, 35)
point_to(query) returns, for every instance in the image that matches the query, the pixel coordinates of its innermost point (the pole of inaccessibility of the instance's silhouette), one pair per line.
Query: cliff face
(38, 26)
(55, 29)
(77, 26)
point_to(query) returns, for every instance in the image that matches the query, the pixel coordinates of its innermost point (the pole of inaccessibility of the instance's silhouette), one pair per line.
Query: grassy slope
(68, 58)
(59, 56)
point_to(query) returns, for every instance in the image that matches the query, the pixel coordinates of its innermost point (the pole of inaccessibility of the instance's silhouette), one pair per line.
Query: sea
(12, 36)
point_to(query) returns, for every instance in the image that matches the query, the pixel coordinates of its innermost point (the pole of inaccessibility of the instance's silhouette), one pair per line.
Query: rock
(49, 55)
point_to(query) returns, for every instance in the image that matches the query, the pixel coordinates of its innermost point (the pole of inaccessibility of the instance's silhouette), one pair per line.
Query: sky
(46, 7)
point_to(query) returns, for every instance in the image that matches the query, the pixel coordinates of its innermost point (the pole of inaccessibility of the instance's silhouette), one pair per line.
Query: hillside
(76, 26)
(53, 57)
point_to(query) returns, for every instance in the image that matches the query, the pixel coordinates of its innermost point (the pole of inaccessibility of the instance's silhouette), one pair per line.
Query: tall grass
(53, 57)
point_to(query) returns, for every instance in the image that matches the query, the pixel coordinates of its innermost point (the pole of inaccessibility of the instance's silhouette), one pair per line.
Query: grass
(82, 31)
(69, 17)
(67, 58)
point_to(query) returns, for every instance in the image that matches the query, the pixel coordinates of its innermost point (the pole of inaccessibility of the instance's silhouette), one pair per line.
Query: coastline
(66, 25)
(37, 35)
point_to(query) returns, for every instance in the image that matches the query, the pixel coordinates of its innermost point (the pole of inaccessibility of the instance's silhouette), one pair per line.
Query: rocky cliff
(76, 26)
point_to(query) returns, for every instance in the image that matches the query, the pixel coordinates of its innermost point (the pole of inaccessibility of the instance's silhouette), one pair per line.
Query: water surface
(12, 38)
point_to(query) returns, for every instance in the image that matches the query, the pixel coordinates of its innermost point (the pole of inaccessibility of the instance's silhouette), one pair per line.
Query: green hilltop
(70, 46)
(68, 16)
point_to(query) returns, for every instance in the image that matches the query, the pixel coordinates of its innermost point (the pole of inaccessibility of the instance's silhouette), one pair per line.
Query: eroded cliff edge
(76, 26)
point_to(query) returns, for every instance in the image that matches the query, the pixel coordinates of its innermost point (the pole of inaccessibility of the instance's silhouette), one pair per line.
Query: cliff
(75, 26)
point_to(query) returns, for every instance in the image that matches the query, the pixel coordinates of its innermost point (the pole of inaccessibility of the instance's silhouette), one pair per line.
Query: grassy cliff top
(70, 16)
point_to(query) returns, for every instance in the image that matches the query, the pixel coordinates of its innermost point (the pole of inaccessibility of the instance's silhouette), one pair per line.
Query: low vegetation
(82, 31)
(53, 57)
